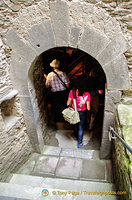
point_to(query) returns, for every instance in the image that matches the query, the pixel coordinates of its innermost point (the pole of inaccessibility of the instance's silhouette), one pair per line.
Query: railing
(121, 140)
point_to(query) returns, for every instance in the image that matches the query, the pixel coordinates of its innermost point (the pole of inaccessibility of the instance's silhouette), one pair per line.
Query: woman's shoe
(79, 145)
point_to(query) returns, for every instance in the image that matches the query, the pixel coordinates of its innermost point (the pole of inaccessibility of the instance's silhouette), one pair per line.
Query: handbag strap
(60, 79)
(74, 99)
(74, 93)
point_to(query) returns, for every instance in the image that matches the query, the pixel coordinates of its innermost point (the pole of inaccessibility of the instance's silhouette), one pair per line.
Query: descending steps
(30, 187)
(61, 170)
(77, 164)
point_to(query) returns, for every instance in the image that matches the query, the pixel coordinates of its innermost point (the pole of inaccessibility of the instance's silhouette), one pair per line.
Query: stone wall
(70, 27)
(15, 145)
(122, 158)
(40, 94)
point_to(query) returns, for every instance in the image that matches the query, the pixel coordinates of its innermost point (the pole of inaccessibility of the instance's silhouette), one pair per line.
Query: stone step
(30, 187)
(66, 152)
(68, 168)
(56, 183)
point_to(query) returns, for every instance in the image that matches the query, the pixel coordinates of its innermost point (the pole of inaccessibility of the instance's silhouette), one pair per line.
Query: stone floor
(63, 137)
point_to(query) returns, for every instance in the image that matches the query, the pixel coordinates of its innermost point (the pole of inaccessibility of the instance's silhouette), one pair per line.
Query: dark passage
(78, 66)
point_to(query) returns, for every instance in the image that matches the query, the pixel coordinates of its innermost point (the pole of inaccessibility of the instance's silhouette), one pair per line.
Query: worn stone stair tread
(76, 153)
(56, 183)
(28, 166)
(11, 198)
(25, 191)
(16, 191)
(80, 153)
(72, 167)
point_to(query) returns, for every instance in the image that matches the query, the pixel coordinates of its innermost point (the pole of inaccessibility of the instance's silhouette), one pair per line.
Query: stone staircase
(65, 173)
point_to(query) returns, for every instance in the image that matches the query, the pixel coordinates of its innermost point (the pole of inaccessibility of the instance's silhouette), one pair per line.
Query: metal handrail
(122, 141)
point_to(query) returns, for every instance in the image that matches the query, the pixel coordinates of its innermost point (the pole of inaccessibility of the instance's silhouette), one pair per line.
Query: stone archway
(54, 33)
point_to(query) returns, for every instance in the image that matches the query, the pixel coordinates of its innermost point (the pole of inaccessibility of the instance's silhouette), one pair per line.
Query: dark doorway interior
(77, 65)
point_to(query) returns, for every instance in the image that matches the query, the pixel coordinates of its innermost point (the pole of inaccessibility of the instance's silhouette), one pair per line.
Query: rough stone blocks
(125, 114)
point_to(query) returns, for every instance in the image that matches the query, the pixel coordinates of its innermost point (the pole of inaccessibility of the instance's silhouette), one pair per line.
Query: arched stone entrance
(77, 65)
(109, 53)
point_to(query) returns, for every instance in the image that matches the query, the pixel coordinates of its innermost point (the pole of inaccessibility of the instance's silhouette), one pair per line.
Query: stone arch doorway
(109, 53)
(77, 64)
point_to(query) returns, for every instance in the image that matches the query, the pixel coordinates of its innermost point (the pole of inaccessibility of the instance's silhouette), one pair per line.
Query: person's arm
(88, 105)
(47, 86)
(69, 101)
(66, 80)
(68, 85)
(48, 81)
(88, 102)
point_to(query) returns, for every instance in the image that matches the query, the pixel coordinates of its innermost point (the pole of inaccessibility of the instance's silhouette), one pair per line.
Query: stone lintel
(92, 42)
(19, 73)
(74, 37)
(60, 22)
(41, 36)
(116, 47)
(21, 48)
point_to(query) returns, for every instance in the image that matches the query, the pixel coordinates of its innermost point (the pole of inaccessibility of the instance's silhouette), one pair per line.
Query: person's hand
(100, 91)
